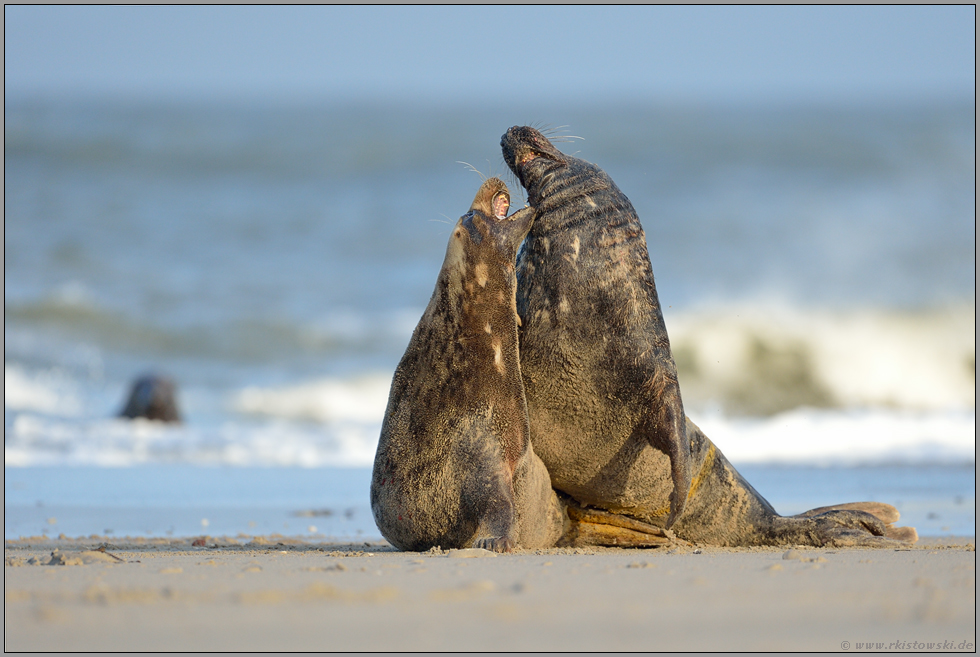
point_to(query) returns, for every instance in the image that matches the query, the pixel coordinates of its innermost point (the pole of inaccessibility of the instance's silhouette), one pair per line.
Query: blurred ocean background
(816, 262)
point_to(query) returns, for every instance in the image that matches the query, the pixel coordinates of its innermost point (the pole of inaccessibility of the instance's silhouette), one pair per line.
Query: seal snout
(522, 145)
(493, 199)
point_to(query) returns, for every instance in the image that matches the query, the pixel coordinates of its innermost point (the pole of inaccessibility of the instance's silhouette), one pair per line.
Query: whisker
(514, 183)
(540, 126)
(473, 169)
(550, 131)
(554, 134)
(490, 169)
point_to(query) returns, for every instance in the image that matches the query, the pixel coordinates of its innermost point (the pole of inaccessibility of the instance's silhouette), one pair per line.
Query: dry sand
(277, 593)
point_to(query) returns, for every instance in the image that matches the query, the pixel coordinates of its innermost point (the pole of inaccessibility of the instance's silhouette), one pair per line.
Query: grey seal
(153, 397)
(454, 466)
(601, 386)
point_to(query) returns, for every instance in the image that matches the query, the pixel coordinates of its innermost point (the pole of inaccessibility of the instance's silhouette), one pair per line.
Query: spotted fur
(454, 466)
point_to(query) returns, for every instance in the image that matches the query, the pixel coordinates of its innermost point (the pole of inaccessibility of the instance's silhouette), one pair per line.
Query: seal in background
(153, 397)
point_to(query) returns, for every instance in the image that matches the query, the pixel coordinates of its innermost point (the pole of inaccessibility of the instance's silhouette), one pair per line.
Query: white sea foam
(337, 423)
(821, 437)
(36, 440)
(361, 399)
(45, 391)
(802, 436)
(752, 360)
(766, 385)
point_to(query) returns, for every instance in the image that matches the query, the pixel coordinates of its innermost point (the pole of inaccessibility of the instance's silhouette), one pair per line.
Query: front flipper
(495, 543)
(669, 435)
(497, 530)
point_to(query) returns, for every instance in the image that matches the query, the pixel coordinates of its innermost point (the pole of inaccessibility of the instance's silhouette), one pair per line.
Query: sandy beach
(284, 593)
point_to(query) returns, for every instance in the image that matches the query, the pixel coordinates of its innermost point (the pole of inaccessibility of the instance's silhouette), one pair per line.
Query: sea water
(331, 503)
(816, 267)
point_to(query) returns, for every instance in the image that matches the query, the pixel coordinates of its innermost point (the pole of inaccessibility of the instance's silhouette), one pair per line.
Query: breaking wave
(752, 361)
(337, 421)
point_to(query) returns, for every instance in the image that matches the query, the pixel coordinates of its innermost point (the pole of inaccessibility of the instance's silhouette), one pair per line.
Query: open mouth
(527, 157)
(500, 205)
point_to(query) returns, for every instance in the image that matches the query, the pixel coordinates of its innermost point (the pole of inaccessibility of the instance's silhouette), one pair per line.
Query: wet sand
(276, 593)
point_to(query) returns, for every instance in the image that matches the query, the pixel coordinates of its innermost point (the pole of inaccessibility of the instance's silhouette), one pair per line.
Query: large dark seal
(601, 386)
(454, 466)
(153, 397)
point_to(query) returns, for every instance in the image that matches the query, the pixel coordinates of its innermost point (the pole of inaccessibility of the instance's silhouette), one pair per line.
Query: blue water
(333, 502)
(188, 501)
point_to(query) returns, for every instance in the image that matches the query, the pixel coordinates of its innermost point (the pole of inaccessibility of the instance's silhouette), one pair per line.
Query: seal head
(152, 397)
(521, 146)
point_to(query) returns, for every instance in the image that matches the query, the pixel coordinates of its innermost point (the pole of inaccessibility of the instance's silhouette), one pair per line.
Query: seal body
(152, 397)
(454, 466)
(598, 371)
(601, 386)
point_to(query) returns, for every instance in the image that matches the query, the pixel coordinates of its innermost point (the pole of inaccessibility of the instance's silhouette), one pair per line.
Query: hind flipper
(888, 515)
(884, 512)
(834, 528)
(904, 534)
